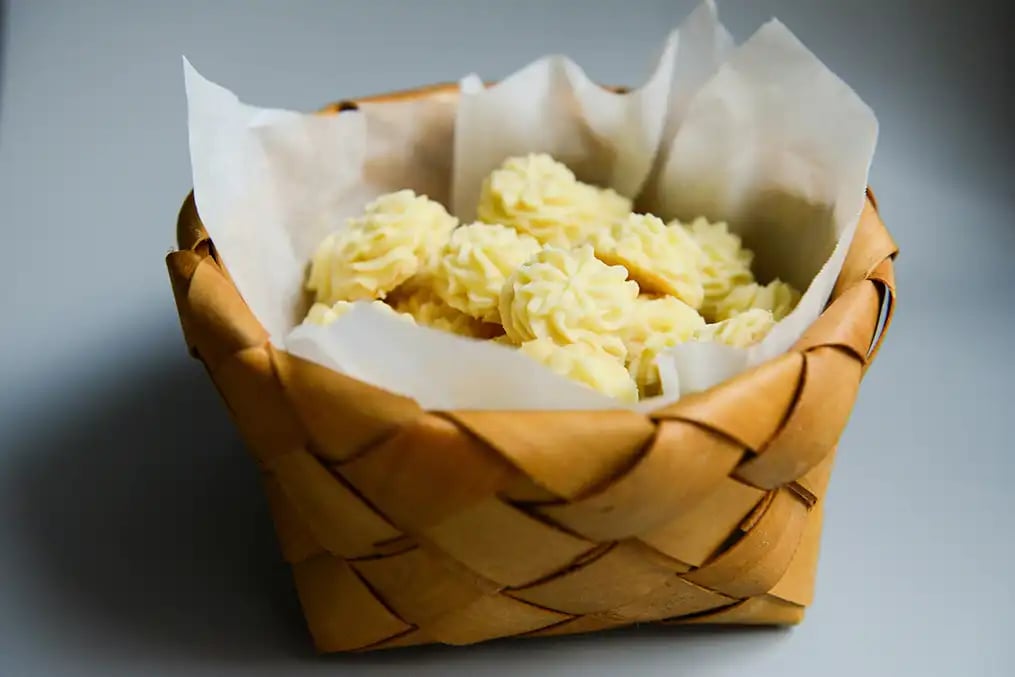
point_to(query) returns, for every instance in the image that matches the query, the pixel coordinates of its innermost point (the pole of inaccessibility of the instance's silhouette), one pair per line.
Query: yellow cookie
(474, 265)
(538, 196)
(418, 299)
(603, 207)
(777, 296)
(657, 324)
(585, 364)
(741, 330)
(612, 205)
(569, 297)
(399, 235)
(662, 259)
(724, 264)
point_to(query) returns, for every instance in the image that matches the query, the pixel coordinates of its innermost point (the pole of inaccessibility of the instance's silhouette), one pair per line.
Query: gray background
(133, 537)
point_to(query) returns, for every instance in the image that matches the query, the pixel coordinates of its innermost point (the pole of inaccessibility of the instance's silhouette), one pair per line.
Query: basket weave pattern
(406, 526)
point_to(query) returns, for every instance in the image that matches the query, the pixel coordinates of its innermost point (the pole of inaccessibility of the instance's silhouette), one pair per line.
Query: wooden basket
(406, 526)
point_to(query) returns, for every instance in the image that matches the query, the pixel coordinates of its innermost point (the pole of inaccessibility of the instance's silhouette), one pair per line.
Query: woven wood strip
(217, 319)
(675, 598)
(506, 544)
(624, 573)
(762, 610)
(700, 459)
(565, 455)
(322, 502)
(830, 382)
(261, 412)
(422, 584)
(755, 563)
(415, 477)
(884, 275)
(406, 527)
(841, 326)
(578, 625)
(797, 583)
(699, 533)
(734, 409)
(295, 539)
(338, 435)
(413, 637)
(491, 617)
(343, 613)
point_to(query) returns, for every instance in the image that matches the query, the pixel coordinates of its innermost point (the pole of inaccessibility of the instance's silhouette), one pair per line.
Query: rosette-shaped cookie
(724, 263)
(603, 206)
(569, 297)
(418, 300)
(474, 265)
(665, 315)
(541, 197)
(585, 364)
(740, 330)
(398, 235)
(655, 325)
(777, 296)
(323, 314)
(660, 258)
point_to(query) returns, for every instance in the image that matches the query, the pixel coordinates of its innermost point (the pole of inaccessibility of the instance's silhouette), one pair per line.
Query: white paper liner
(763, 136)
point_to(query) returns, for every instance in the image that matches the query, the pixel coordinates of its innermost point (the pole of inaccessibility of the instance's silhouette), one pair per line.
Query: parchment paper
(771, 141)
(779, 147)
(551, 106)
(702, 45)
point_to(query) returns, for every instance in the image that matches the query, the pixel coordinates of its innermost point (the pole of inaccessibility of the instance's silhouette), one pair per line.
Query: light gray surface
(133, 537)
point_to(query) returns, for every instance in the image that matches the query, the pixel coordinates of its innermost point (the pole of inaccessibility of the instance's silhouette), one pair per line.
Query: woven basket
(406, 526)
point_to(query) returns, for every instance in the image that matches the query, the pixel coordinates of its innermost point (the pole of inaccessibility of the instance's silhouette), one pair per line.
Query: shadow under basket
(406, 526)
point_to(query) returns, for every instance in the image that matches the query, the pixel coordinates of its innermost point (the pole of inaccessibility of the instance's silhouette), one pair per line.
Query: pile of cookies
(560, 269)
